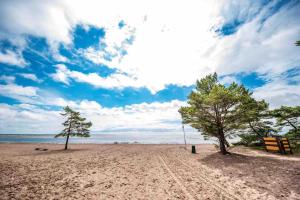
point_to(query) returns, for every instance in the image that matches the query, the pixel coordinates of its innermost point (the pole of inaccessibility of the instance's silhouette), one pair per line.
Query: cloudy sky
(129, 65)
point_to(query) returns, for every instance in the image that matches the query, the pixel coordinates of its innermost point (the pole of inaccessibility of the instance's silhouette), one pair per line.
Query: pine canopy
(288, 116)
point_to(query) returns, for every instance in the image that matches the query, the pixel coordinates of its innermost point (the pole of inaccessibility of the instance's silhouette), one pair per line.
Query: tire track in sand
(187, 194)
(201, 175)
(198, 190)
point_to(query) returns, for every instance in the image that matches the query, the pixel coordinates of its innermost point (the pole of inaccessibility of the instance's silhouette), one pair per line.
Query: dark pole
(184, 135)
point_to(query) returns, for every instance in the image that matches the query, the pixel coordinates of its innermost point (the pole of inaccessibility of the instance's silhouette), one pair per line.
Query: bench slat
(272, 148)
(270, 139)
(271, 143)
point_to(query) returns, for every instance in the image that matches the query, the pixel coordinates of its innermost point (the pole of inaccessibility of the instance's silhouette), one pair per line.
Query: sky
(129, 65)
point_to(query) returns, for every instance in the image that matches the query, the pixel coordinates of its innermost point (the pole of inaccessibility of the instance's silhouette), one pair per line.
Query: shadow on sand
(42, 151)
(272, 174)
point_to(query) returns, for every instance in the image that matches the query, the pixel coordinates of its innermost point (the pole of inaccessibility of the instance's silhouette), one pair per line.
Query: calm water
(109, 138)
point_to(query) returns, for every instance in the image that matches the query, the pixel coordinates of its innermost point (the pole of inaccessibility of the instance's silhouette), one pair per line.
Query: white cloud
(229, 80)
(32, 119)
(61, 74)
(168, 47)
(35, 114)
(113, 81)
(57, 101)
(12, 58)
(138, 116)
(266, 48)
(18, 92)
(279, 93)
(33, 109)
(28, 119)
(33, 96)
(118, 81)
(164, 44)
(44, 19)
(174, 49)
(174, 43)
(89, 105)
(32, 77)
(114, 46)
(8, 79)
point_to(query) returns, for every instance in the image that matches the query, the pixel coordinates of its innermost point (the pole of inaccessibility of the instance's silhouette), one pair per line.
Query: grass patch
(262, 148)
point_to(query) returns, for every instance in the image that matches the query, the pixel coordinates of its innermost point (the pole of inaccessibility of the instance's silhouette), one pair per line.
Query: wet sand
(94, 171)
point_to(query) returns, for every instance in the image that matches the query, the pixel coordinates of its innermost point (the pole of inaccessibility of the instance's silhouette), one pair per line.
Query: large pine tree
(75, 125)
(214, 109)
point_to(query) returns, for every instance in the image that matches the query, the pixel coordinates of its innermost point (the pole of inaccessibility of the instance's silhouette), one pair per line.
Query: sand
(137, 171)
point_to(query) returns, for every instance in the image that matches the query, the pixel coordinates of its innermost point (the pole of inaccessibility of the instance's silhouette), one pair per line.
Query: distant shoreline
(131, 143)
(108, 138)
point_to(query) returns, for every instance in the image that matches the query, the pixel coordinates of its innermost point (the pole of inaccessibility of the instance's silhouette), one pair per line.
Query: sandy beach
(137, 171)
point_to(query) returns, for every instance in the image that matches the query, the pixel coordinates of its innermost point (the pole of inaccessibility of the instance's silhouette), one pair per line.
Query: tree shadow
(62, 151)
(41, 151)
(262, 173)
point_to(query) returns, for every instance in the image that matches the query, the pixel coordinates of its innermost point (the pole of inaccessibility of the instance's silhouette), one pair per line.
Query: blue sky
(131, 69)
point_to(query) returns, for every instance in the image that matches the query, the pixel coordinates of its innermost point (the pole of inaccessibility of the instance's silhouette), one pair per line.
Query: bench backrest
(272, 144)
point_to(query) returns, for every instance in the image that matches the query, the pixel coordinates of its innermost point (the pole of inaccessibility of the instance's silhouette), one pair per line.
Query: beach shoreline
(109, 138)
(144, 171)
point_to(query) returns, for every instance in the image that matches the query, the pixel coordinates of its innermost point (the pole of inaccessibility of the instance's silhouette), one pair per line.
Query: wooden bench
(276, 144)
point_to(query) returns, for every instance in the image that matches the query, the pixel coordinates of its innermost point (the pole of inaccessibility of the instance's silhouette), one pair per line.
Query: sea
(111, 138)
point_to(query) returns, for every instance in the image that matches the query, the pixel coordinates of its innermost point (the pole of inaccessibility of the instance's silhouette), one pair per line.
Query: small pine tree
(75, 125)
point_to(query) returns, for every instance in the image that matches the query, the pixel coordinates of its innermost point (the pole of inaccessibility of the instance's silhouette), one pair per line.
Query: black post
(184, 136)
(193, 149)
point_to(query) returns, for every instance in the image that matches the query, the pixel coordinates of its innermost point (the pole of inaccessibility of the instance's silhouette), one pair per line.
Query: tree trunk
(227, 143)
(69, 129)
(292, 125)
(66, 145)
(222, 141)
(255, 131)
